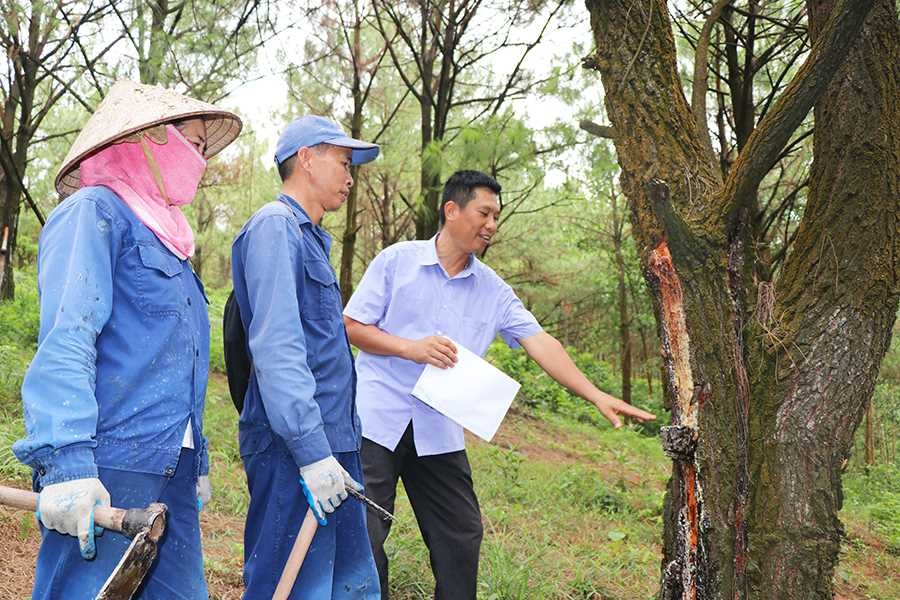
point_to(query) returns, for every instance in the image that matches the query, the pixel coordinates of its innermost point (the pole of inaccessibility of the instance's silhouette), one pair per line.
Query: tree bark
(426, 218)
(836, 302)
(18, 113)
(751, 506)
(9, 219)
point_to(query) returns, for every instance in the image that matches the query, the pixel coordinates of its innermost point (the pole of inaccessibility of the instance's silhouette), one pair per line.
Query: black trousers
(440, 490)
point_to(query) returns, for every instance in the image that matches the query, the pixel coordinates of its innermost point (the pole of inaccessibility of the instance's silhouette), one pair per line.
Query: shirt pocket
(475, 330)
(158, 283)
(321, 296)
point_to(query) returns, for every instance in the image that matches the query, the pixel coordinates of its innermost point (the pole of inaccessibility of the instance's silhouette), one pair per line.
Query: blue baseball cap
(311, 130)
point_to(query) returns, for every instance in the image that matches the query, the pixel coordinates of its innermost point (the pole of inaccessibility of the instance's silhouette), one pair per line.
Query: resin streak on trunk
(676, 342)
(679, 439)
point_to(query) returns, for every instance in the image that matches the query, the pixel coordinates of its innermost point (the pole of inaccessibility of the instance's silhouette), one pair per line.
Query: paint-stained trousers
(339, 562)
(441, 493)
(177, 573)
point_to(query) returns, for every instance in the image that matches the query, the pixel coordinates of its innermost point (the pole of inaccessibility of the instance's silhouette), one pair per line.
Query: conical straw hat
(130, 107)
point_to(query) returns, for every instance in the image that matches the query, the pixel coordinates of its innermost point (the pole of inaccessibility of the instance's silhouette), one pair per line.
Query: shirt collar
(295, 208)
(303, 219)
(429, 256)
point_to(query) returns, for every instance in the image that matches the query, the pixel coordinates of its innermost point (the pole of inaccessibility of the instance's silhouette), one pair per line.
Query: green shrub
(540, 391)
(875, 496)
(579, 484)
(217, 299)
(20, 317)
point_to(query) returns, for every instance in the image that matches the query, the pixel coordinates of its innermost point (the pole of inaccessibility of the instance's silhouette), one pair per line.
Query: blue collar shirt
(406, 292)
(123, 349)
(303, 380)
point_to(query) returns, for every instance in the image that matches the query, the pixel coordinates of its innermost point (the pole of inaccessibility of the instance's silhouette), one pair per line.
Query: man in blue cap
(299, 431)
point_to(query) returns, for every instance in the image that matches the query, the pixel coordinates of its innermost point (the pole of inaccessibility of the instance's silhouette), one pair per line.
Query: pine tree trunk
(11, 195)
(870, 435)
(762, 413)
(9, 217)
(835, 306)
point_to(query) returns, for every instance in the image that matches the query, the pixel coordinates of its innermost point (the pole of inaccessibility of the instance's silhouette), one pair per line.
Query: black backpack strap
(237, 360)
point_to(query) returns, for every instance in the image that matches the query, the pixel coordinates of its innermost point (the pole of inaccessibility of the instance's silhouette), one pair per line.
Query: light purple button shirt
(406, 292)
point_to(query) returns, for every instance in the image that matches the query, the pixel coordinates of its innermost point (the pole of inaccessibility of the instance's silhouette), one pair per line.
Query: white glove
(204, 491)
(324, 484)
(68, 507)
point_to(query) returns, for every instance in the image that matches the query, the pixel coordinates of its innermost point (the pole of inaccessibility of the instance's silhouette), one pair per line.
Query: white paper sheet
(474, 393)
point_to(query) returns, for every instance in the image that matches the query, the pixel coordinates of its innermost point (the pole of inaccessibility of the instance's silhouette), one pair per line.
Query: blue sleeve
(273, 263)
(371, 297)
(76, 261)
(516, 321)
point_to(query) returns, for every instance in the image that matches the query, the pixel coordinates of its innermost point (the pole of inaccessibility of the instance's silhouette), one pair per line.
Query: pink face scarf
(154, 172)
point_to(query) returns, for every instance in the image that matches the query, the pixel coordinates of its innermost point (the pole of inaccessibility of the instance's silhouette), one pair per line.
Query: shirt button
(440, 332)
(189, 300)
(170, 471)
(196, 352)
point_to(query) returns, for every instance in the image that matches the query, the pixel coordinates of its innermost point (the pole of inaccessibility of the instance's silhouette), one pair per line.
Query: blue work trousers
(177, 572)
(339, 563)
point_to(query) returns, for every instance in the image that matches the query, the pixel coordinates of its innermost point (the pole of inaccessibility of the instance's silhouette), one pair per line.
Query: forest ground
(570, 510)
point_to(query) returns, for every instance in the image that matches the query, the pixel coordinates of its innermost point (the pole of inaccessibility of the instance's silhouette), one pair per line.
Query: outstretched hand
(432, 350)
(611, 408)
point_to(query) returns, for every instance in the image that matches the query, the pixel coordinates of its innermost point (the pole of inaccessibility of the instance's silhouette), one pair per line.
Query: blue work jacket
(123, 350)
(303, 383)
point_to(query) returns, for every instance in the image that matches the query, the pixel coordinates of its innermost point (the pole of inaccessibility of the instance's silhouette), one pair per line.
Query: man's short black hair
(460, 188)
(286, 167)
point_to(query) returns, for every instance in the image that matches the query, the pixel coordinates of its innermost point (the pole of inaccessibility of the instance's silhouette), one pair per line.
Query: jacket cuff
(66, 464)
(309, 448)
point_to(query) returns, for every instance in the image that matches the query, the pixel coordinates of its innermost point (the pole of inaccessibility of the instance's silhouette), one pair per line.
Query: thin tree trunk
(624, 330)
(149, 64)
(647, 364)
(870, 435)
(348, 242)
(9, 218)
(624, 316)
(645, 360)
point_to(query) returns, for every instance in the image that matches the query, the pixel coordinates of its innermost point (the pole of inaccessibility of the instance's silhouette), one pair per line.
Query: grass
(19, 321)
(572, 509)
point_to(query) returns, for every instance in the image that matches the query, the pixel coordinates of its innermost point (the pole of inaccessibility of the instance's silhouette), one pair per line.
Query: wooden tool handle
(104, 516)
(295, 560)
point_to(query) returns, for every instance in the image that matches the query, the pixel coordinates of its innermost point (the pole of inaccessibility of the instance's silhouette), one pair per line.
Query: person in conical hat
(114, 395)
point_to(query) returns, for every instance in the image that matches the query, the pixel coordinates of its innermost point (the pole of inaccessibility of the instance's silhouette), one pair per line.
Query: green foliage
(578, 483)
(19, 318)
(872, 492)
(217, 299)
(540, 391)
(19, 322)
(874, 496)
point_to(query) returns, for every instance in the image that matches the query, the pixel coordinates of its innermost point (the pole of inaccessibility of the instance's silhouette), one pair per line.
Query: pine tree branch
(767, 141)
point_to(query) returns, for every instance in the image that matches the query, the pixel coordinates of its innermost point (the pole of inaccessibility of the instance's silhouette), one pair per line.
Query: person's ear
(304, 158)
(451, 210)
